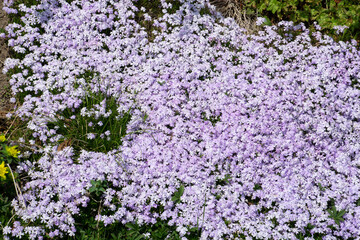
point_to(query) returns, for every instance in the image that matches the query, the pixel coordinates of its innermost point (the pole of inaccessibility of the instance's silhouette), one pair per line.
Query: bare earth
(5, 91)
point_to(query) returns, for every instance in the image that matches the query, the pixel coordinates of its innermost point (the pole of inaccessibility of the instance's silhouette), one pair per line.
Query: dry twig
(236, 10)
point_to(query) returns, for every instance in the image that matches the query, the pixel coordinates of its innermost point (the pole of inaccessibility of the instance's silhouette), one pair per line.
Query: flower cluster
(12, 151)
(7, 155)
(340, 29)
(259, 133)
(3, 171)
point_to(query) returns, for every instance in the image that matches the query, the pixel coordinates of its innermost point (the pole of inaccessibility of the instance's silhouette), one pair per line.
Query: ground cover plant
(330, 14)
(175, 124)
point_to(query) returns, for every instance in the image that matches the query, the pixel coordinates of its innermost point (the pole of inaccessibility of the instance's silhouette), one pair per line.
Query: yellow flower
(2, 138)
(12, 151)
(3, 170)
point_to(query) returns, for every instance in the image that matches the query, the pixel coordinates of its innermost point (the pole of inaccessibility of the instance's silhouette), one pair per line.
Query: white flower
(260, 21)
(83, 112)
(90, 135)
(7, 230)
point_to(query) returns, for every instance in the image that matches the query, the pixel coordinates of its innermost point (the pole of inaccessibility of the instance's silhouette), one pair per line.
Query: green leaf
(267, 22)
(303, 16)
(193, 229)
(177, 195)
(262, 7)
(145, 117)
(224, 181)
(175, 236)
(161, 83)
(314, 14)
(274, 6)
(321, 187)
(131, 225)
(336, 215)
(97, 186)
(181, 190)
(310, 226)
(257, 187)
(139, 237)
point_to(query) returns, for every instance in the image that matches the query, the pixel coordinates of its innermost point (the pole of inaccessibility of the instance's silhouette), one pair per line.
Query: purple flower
(340, 29)
(228, 131)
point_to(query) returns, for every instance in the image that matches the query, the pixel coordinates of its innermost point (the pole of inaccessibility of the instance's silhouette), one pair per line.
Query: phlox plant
(185, 129)
(94, 125)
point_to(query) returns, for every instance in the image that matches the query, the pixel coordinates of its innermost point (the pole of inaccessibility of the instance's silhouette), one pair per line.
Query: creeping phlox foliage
(237, 135)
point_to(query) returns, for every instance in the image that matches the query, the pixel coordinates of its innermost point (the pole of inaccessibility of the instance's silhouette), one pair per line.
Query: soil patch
(5, 90)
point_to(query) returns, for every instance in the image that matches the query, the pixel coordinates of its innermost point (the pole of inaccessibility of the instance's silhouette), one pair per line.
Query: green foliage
(336, 215)
(97, 187)
(9, 180)
(5, 205)
(177, 195)
(16, 18)
(213, 118)
(154, 10)
(257, 187)
(160, 230)
(205, 11)
(75, 131)
(224, 181)
(8, 193)
(321, 187)
(358, 202)
(89, 228)
(8, 154)
(328, 13)
(307, 233)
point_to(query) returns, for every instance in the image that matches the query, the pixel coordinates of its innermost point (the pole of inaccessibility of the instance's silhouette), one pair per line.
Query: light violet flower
(228, 132)
(91, 136)
(340, 29)
(260, 21)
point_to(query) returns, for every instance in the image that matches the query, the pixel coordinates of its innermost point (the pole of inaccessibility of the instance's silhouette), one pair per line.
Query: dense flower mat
(238, 135)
